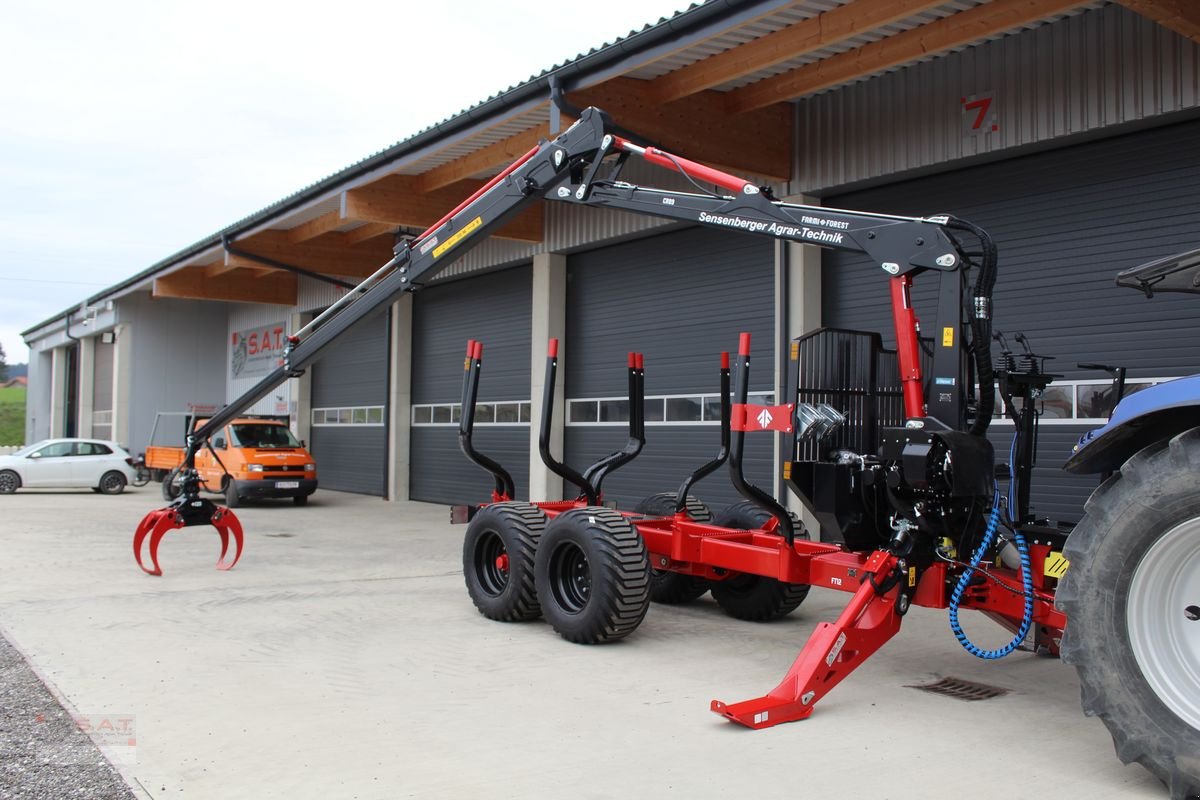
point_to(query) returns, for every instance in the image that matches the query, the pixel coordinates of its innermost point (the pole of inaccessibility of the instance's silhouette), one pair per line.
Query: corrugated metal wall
(1065, 222)
(493, 308)
(681, 298)
(1104, 67)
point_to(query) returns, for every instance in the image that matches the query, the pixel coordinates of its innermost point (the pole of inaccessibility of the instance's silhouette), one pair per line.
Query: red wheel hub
(502, 562)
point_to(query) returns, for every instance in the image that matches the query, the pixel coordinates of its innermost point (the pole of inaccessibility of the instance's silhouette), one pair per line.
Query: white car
(102, 466)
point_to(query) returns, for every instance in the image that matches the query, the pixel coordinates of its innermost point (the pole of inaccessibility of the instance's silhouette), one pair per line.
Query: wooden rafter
(1181, 16)
(758, 143)
(823, 30)
(368, 231)
(328, 255)
(397, 200)
(194, 283)
(940, 36)
(316, 227)
(499, 154)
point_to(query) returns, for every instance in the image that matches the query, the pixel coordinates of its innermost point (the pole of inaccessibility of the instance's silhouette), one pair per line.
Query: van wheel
(232, 498)
(300, 500)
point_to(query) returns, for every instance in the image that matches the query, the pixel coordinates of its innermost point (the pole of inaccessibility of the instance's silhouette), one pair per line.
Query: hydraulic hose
(964, 581)
(981, 323)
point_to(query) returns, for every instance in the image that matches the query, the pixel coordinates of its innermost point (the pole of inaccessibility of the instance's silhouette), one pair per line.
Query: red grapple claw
(158, 523)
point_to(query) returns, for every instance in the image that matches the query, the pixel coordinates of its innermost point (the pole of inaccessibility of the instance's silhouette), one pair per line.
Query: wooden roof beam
(367, 231)
(328, 255)
(397, 200)
(193, 283)
(498, 154)
(758, 142)
(1181, 16)
(810, 35)
(940, 36)
(316, 227)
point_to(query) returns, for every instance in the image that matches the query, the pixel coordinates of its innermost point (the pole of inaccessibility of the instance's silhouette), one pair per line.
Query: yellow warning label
(462, 233)
(947, 337)
(466, 364)
(1056, 565)
(912, 576)
(787, 470)
(795, 351)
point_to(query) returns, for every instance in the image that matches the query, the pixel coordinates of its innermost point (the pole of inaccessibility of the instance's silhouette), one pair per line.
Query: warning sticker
(947, 337)
(1056, 565)
(461, 234)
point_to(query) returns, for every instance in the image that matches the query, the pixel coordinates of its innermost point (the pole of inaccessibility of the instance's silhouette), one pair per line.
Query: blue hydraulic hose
(965, 580)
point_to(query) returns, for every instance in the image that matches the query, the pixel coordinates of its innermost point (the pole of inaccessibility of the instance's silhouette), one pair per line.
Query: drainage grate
(961, 689)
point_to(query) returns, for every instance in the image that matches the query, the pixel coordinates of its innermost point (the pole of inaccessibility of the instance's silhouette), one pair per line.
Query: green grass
(12, 415)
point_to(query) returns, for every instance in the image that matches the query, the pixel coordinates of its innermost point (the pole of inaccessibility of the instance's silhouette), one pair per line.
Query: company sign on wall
(258, 350)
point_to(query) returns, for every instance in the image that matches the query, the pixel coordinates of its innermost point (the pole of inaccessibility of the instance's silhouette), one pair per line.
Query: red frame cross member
(749, 417)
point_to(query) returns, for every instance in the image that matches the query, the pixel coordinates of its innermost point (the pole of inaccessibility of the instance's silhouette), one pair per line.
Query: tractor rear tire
(498, 553)
(753, 597)
(1132, 599)
(666, 587)
(593, 576)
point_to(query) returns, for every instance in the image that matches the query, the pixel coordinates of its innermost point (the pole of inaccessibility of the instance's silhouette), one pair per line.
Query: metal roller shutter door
(681, 298)
(495, 309)
(351, 450)
(1066, 222)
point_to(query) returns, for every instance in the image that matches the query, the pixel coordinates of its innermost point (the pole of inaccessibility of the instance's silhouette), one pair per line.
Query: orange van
(250, 458)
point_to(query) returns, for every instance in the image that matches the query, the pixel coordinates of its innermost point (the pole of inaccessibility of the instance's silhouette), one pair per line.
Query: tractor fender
(1154, 414)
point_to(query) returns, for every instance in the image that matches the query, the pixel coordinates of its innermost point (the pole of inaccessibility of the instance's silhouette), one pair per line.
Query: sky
(130, 130)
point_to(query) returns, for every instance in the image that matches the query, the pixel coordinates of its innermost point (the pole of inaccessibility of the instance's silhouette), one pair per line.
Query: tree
(3, 365)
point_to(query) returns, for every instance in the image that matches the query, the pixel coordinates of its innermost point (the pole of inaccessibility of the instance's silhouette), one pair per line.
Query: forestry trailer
(889, 452)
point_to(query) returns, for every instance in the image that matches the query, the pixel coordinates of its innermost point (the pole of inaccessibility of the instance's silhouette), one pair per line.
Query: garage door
(1065, 222)
(681, 298)
(494, 309)
(349, 417)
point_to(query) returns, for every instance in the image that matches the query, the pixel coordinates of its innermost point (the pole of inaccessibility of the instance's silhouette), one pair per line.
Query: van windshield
(258, 435)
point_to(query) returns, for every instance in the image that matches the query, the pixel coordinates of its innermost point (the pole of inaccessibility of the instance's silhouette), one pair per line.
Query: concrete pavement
(342, 658)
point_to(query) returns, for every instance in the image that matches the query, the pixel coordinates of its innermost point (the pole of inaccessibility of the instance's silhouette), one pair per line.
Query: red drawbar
(552, 349)
(744, 344)
(908, 348)
(724, 360)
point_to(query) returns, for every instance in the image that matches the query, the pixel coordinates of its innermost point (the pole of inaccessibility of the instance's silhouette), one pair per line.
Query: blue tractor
(1132, 592)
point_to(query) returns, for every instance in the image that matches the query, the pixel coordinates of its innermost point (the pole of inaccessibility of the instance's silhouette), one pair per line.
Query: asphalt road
(342, 658)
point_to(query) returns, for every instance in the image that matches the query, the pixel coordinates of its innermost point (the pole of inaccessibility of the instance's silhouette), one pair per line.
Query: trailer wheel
(593, 575)
(672, 588)
(498, 552)
(1132, 599)
(170, 490)
(753, 597)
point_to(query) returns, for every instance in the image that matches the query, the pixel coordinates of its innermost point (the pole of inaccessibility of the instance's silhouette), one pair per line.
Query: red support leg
(832, 652)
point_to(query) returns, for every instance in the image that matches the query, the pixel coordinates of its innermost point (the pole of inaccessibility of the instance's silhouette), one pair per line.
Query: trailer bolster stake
(832, 652)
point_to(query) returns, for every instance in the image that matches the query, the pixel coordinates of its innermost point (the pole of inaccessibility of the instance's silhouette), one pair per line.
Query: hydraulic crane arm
(582, 166)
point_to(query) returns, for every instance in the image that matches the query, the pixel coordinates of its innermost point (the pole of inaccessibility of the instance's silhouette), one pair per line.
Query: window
(93, 449)
(510, 412)
(262, 436)
(1087, 402)
(56, 450)
(357, 415)
(698, 409)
